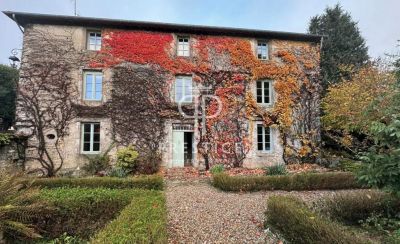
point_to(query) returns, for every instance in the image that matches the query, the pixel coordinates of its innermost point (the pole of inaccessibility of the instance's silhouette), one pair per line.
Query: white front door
(178, 149)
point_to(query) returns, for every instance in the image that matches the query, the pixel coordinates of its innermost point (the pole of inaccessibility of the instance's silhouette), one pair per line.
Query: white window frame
(94, 73)
(259, 50)
(91, 141)
(270, 92)
(271, 140)
(180, 50)
(98, 35)
(184, 79)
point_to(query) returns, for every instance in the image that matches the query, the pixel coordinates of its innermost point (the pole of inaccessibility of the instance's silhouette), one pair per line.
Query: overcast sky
(378, 20)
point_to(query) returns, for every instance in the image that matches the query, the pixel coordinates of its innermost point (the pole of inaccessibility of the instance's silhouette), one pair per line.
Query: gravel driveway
(199, 213)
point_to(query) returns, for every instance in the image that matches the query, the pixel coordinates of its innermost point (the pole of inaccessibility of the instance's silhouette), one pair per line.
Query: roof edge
(24, 18)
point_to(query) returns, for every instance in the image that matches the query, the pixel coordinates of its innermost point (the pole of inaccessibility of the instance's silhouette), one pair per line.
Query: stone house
(196, 95)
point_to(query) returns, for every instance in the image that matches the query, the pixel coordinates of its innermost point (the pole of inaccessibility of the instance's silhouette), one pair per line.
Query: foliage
(118, 172)
(346, 104)
(126, 158)
(82, 211)
(47, 94)
(217, 168)
(142, 221)
(343, 49)
(66, 239)
(296, 182)
(96, 164)
(148, 163)
(352, 207)
(19, 205)
(298, 224)
(8, 87)
(146, 182)
(5, 139)
(279, 169)
(381, 165)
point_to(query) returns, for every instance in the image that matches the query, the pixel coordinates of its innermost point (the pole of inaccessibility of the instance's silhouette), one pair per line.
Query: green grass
(154, 182)
(295, 182)
(142, 221)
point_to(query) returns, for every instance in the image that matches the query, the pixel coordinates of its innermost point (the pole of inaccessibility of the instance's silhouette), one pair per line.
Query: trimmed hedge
(154, 182)
(142, 221)
(298, 224)
(351, 207)
(295, 182)
(82, 211)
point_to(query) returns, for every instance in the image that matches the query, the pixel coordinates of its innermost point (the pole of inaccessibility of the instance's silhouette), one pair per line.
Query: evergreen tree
(8, 83)
(343, 47)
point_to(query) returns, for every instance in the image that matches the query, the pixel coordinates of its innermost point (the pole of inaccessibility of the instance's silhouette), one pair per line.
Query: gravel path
(199, 213)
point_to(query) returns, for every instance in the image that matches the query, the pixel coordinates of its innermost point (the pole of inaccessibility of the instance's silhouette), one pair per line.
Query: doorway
(182, 145)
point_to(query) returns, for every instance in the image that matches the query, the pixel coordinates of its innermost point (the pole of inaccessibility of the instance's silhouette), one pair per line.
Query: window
(90, 137)
(262, 50)
(264, 91)
(263, 138)
(183, 89)
(93, 85)
(183, 46)
(94, 40)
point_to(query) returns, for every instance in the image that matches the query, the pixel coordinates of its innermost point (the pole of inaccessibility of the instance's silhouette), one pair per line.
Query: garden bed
(294, 182)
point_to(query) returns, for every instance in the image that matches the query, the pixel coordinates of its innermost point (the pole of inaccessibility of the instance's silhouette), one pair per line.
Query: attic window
(262, 50)
(183, 46)
(94, 40)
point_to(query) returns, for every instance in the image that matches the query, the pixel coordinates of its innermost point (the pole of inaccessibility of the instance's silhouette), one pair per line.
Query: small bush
(126, 158)
(118, 172)
(351, 207)
(142, 221)
(216, 169)
(279, 169)
(149, 163)
(96, 164)
(297, 182)
(298, 224)
(146, 182)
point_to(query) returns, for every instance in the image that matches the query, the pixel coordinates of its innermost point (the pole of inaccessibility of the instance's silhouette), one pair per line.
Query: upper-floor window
(264, 91)
(262, 50)
(94, 40)
(90, 137)
(93, 85)
(263, 138)
(183, 46)
(183, 89)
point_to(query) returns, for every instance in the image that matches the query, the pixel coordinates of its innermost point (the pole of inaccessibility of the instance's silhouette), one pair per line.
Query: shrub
(279, 169)
(82, 211)
(146, 182)
(19, 205)
(216, 169)
(66, 239)
(351, 207)
(142, 221)
(149, 163)
(297, 182)
(298, 224)
(118, 172)
(126, 158)
(97, 164)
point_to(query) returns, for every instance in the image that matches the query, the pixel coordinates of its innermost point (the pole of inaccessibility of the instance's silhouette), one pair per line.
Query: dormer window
(183, 48)
(262, 50)
(94, 40)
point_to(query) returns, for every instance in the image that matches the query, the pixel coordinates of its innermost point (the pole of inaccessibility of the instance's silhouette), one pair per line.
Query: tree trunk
(2, 241)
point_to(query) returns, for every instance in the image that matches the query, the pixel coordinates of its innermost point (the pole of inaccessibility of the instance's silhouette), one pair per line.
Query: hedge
(82, 211)
(298, 224)
(295, 182)
(142, 221)
(154, 182)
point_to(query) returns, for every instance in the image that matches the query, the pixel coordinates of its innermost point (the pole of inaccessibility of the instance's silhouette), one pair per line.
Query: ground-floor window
(90, 137)
(263, 138)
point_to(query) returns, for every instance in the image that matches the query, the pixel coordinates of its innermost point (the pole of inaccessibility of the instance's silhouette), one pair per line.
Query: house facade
(192, 95)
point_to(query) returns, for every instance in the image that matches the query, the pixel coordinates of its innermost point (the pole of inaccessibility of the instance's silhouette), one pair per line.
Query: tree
(343, 48)
(8, 86)
(46, 96)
